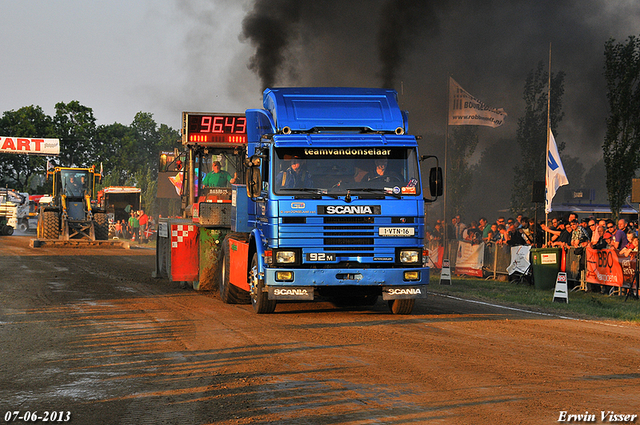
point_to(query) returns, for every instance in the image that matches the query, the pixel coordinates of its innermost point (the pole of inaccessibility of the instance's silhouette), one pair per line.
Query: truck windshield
(75, 183)
(334, 171)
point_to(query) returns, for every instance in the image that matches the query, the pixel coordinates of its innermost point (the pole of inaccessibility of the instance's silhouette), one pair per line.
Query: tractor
(73, 213)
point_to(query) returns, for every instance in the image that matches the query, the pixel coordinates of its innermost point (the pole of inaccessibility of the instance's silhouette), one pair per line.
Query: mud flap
(403, 292)
(303, 293)
(209, 248)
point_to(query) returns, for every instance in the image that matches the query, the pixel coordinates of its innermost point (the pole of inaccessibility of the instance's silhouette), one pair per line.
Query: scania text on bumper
(403, 292)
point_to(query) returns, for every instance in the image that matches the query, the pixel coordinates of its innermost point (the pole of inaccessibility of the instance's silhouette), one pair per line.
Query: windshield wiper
(299, 189)
(376, 190)
(309, 190)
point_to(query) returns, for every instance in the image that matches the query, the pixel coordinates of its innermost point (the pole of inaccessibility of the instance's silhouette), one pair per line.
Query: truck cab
(334, 204)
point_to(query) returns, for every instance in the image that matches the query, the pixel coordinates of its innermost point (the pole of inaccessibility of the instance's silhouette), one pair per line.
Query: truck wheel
(23, 227)
(260, 300)
(8, 230)
(51, 225)
(229, 294)
(101, 226)
(401, 306)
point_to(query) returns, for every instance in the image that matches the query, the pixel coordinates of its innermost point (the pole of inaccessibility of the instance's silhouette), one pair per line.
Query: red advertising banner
(606, 267)
(29, 146)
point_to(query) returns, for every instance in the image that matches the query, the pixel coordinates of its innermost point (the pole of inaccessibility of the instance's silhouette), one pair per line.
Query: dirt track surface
(92, 333)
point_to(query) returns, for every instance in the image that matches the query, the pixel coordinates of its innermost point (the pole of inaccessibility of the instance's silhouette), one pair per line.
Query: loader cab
(217, 170)
(213, 170)
(75, 184)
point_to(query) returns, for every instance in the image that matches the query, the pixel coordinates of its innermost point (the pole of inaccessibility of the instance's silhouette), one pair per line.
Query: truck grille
(352, 238)
(349, 220)
(348, 241)
(348, 227)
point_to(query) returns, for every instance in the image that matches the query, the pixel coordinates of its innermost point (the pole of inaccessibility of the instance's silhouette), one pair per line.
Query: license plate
(321, 256)
(396, 231)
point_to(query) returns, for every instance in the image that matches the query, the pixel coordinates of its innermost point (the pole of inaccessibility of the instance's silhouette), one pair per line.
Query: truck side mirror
(254, 177)
(435, 181)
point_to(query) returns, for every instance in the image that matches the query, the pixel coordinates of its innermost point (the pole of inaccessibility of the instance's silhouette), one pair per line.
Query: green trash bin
(546, 265)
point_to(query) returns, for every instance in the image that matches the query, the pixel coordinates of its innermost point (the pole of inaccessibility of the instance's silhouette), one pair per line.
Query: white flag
(465, 109)
(556, 176)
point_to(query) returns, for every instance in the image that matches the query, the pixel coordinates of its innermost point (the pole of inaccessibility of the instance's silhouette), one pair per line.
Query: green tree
(532, 134)
(147, 181)
(146, 140)
(126, 150)
(622, 141)
(75, 127)
(462, 144)
(130, 155)
(16, 170)
(113, 146)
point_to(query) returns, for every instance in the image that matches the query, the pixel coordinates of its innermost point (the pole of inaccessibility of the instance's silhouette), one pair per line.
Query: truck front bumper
(300, 284)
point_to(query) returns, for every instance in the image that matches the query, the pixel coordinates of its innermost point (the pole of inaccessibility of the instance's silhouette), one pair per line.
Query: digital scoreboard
(214, 128)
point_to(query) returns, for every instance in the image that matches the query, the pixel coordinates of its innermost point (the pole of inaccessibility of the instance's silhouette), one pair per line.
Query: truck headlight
(409, 256)
(285, 257)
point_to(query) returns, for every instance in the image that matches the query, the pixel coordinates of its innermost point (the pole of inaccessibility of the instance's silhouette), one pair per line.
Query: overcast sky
(166, 56)
(120, 57)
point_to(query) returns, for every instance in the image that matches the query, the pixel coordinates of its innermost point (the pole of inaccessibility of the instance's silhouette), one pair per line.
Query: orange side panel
(184, 252)
(238, 253)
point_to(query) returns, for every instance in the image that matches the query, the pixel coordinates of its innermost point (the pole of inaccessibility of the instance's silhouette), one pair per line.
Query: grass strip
(588, 305)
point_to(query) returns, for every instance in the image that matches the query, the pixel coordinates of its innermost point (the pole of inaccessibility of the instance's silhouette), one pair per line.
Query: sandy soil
(92, 333)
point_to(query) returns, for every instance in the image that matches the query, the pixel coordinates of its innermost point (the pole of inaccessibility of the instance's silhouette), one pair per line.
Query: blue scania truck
(333, 205)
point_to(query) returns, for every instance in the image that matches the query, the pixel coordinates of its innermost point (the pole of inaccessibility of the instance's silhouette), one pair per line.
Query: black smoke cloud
(488, 46)
(401, 24)
(273, 27)
(270, 27)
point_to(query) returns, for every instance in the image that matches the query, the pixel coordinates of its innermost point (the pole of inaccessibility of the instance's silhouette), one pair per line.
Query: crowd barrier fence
(583, 266)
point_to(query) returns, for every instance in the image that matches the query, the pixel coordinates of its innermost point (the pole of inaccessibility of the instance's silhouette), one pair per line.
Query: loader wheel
(51, 225)
(260, 299)
(401, 306)
(101, 226)
(229, 294)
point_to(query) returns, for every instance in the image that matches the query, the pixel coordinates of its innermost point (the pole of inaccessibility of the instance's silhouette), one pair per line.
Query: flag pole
(446, 158)
(546, 156)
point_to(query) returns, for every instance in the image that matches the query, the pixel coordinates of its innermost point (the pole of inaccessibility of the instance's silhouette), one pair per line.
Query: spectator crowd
(136, 228)
(571, 232)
